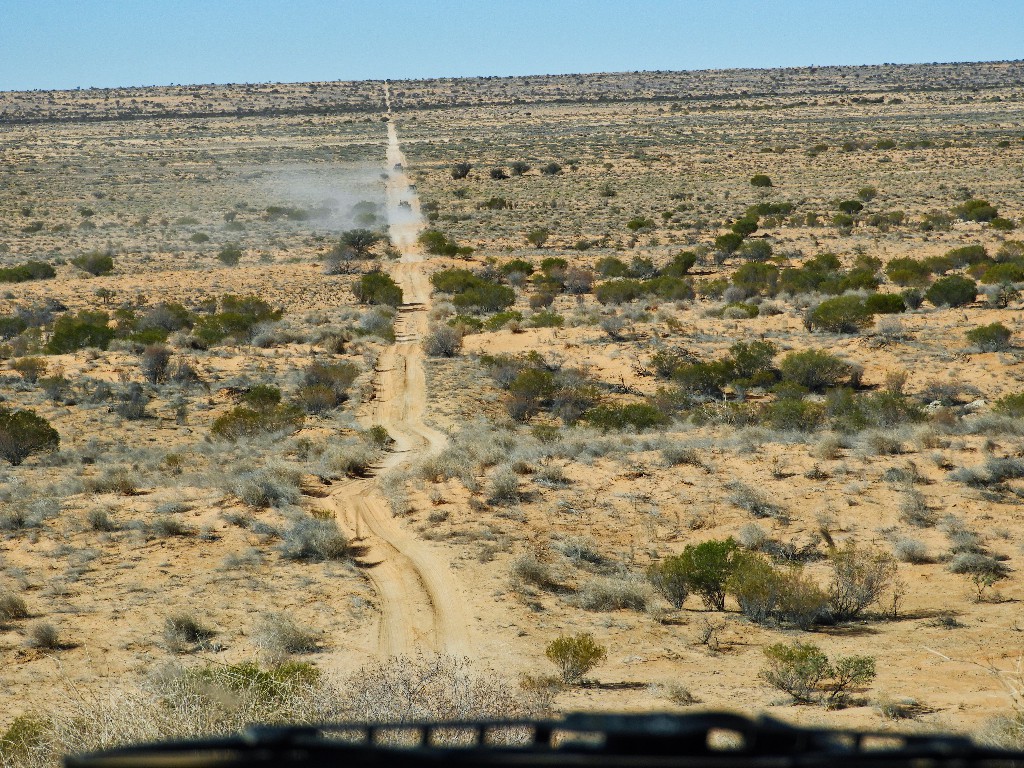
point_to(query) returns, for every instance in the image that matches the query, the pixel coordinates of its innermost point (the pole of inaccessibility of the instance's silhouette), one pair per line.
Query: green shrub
(767, 594)
(967, 255)
(547, 320)
(609, 266)
(498, 320)
(859, 579)
(485, 296)
(627, 416)
(640, 223)
(815, 370)
(745, 227)
(11, 326)
(238, 319)
(229, 255)
(1011, 405)
(1009, 272)
(436, 243)
(952, 291)
(843, 314)
(378, 288)
(885, 304)
(729, 242)
(680, 265)
(242, 421)
(30, 270)
(1002, 224)
(522, 266)
(755, 278)
(994, 337)
(804, 672)
(976, 210)
(908, 272)
(95, 263)
(794, 414)
(756, 250)
(851, 206)
(538, 236)
(575, 656)
(705, 568)
(670, 580)
(85, 329)
(620, 291)
(23, 433)
(760, 180)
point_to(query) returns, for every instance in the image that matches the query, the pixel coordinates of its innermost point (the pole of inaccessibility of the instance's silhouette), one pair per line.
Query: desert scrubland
(340, 390)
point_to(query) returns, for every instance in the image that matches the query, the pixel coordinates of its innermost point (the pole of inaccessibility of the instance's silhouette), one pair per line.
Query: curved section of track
(419, 600)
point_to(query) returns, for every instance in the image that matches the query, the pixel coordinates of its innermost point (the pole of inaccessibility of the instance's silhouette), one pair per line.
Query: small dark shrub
(843, 314)
(23, 433)
(952, 291)
(95, 263)
(815, 370)
(627, 416)
(760, 180)
(994, 337)
(378, 288)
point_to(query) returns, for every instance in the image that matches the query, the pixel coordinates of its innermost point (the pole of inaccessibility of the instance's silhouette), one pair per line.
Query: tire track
(420, 604)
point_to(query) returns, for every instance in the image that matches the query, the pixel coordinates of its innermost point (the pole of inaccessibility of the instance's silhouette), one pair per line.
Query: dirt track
(420, 606)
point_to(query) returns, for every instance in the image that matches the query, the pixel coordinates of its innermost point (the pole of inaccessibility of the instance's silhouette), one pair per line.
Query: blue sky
(83, 43)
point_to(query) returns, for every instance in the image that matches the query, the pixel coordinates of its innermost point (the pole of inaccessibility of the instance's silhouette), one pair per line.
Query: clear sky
(83, 43)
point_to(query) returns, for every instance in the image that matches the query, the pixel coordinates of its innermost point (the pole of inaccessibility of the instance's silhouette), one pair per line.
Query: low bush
(279, 635)
(184, 632)
(575, 656)
(952, 291)
(638, 416)
(885, 304)
(843, 314)
(767, 594)
(814, 370)
(313, 540)
(23, 433)
(378, 288)
(994, 337)
(72, 332)
(617, 593)
(95, 263)
(859, 579)
(30, 270)
(703, 568)
(760, 180)
(442, 341)
(237, 319)
(804, 672)
(242, 421)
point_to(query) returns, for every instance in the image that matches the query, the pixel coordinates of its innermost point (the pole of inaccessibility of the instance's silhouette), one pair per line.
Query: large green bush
(803, 671)
(994, 337)
(78, 331)
(704, 568)
(815, 370)
(238, 318)
(30, 270)
(843, 314)
(905, 271)
(952, 291)
(626, 416)
(378, 288)
(23, 433)
(95, 263)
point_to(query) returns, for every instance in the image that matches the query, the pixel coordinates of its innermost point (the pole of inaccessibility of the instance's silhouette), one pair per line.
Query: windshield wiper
(604, 740)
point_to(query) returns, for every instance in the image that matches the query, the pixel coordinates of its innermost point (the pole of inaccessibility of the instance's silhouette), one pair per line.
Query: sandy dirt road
(419, 601)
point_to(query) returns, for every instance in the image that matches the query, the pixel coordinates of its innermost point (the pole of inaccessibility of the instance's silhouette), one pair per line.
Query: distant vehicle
(404, 204)
(398, 166)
